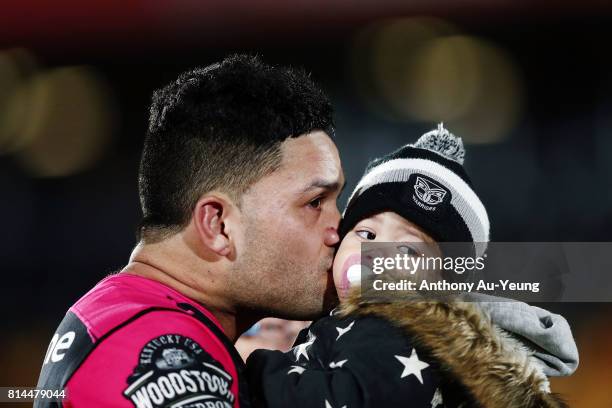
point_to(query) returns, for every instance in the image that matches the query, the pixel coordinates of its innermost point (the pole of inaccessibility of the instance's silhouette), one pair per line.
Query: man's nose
(331, 232)
(331, 237)
(337, 216)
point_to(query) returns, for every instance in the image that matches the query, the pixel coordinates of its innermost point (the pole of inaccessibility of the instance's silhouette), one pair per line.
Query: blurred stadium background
(528, 86)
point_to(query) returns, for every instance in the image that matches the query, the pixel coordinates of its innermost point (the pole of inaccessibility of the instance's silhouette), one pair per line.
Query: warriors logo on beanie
(425, 183)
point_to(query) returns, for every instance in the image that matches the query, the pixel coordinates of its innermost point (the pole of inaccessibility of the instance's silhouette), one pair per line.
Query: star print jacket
(413, 354)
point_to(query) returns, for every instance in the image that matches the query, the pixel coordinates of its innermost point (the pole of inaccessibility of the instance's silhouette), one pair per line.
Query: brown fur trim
(465, 343)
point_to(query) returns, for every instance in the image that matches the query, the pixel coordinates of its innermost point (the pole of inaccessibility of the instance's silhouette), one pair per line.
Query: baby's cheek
(337, 269)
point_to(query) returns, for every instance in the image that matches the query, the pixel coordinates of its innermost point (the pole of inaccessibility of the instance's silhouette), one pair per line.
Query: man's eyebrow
(327, 185)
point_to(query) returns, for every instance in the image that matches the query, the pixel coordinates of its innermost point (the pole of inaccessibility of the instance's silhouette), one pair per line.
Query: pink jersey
(134, 342)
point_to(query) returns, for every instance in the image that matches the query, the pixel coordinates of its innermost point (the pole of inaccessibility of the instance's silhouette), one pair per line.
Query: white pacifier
(354, 274)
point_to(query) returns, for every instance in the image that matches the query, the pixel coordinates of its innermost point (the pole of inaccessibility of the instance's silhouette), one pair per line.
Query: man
(238, 186)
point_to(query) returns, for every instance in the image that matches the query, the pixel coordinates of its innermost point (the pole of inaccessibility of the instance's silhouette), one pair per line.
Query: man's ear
(210, 214)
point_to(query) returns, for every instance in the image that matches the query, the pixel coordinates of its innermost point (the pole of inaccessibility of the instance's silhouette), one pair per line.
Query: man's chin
(306, 309)
(301, 304)
(312, 311)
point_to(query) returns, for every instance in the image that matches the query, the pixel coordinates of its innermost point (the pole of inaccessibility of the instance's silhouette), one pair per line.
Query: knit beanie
(425, 183)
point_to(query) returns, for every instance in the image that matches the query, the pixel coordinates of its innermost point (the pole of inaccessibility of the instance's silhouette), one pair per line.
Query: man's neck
(141, 266)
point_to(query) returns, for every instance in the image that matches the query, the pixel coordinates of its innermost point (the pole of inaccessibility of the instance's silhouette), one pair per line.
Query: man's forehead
(315, 144)
(314, 156)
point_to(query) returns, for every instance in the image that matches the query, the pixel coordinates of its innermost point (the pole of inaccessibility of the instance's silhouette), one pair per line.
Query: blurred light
(69, 124)
(382, 54)
(16, 67)
(422, 69)
(443, 80)
(469, 83)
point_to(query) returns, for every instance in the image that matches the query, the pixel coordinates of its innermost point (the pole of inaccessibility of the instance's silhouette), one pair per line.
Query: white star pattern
(339, 364)
(328, 405)
(437, 399)
(301, 350)
(412, 365)
(296, 369)
(342, 331)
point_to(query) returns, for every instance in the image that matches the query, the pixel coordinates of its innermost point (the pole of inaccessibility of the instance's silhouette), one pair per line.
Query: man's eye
(316, 203)
(365, 234)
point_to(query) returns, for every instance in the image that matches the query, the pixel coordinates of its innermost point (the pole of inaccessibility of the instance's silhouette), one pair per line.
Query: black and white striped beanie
(425, 183)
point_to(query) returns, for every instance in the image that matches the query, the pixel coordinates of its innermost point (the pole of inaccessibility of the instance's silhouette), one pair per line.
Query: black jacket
(414, 354)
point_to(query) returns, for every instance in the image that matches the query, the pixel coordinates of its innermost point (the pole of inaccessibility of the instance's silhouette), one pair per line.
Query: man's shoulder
(156, 348)
(121, 298)
(127, 332)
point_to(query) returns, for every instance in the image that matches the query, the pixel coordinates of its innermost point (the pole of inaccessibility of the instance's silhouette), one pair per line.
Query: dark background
(528, 87)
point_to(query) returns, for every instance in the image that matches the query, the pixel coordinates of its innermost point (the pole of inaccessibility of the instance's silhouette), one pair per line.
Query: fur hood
(494, 368)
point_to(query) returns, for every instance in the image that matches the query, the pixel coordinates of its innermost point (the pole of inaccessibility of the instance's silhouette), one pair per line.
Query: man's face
(284, 258)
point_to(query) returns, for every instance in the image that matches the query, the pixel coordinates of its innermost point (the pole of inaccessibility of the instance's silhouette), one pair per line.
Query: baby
(419, 354)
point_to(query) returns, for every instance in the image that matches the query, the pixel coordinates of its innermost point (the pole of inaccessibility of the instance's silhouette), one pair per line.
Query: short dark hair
(220, 128)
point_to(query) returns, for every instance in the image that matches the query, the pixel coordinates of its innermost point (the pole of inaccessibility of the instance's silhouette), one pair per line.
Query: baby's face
(382, 227)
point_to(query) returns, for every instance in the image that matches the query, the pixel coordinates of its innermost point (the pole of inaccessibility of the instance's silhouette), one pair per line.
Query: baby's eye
(405, 249)
(365, 234)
